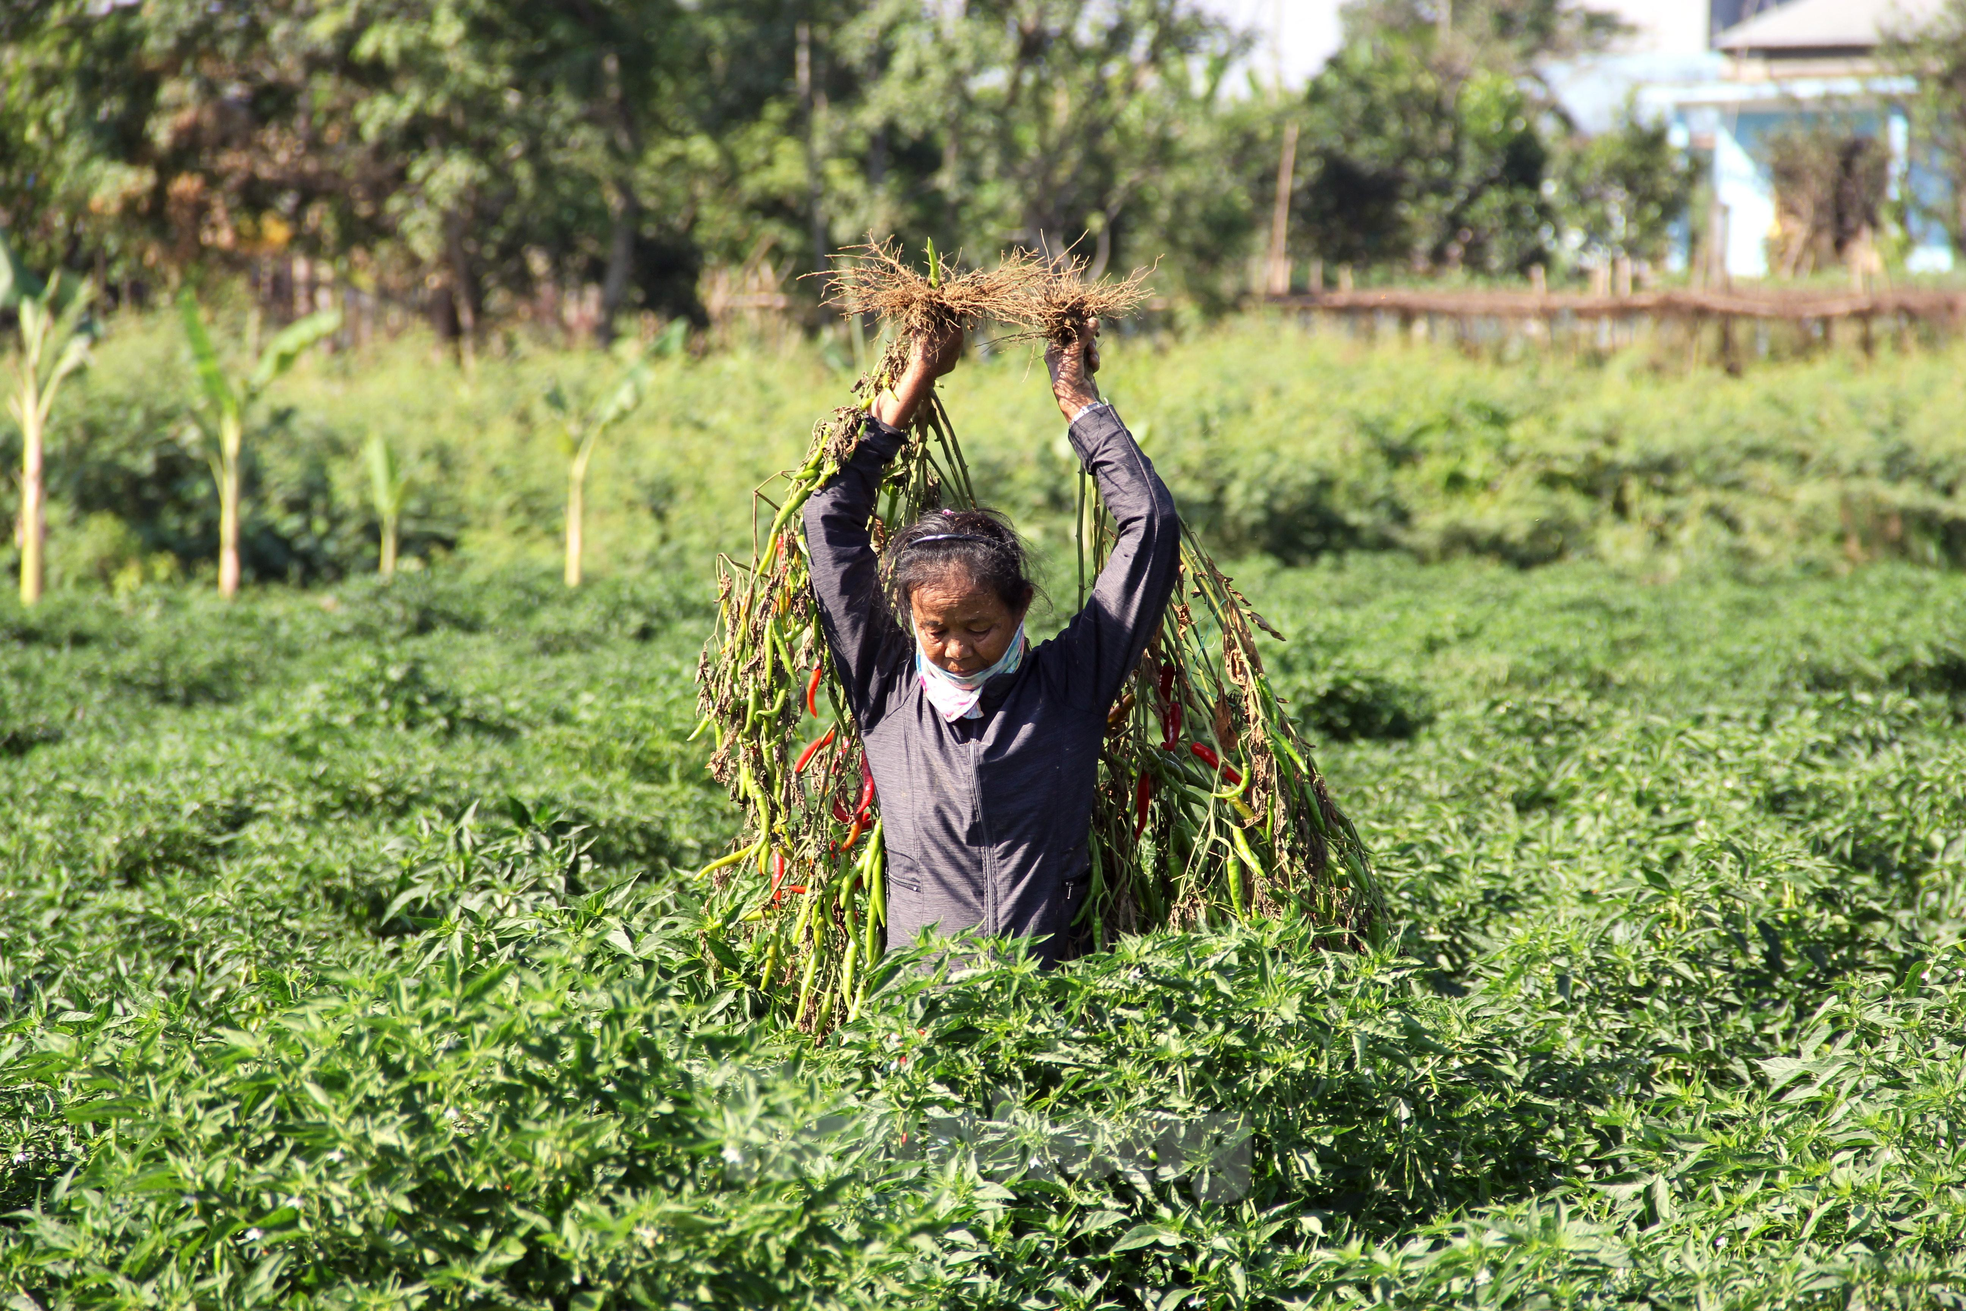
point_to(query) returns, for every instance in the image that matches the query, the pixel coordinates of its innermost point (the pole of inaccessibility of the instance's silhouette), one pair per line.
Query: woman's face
(963, 628)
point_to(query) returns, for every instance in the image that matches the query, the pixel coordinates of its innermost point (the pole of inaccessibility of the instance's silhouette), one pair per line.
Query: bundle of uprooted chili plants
(1209, 804)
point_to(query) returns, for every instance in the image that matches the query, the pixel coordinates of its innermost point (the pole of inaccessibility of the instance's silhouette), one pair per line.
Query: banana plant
(580, 432)
(229, 401)
(54, 343)
(389, 484)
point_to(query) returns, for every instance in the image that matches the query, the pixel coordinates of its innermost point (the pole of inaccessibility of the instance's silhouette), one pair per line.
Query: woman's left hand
(1072, 367)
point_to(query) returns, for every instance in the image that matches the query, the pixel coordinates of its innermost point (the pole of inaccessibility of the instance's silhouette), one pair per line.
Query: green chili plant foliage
(1210, 807)
(352, 957)
(229, 400)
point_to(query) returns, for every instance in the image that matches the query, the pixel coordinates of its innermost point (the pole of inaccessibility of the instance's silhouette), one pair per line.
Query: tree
(523, 126)
(1435, 142)
(1504, 34)
(1412, 162)
(389, 485)
(1054, 123)
(1620, 192)
(1934, 56)
(475, 155)
(441, 146)
(146, 137)
(53, 344)
(230, 401)
(1831, 181)
(581, 430)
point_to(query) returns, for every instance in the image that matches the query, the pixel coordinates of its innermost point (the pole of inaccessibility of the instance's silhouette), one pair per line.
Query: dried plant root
(1060, 301)
(875, 279)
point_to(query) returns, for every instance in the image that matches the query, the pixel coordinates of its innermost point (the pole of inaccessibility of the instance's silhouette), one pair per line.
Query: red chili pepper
(1208, 757)
(853, 835)
(840, 812)
(812, 690)
(813, 748)
(866, 789)
(777, 876)
(1143, 796)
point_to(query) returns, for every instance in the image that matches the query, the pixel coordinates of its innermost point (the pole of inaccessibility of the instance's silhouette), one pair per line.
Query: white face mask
(957, 696)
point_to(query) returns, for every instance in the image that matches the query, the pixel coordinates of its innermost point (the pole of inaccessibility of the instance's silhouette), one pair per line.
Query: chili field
(350, 958)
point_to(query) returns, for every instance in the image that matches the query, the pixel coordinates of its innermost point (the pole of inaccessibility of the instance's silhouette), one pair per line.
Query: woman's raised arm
(845, 571)
(1105, 639)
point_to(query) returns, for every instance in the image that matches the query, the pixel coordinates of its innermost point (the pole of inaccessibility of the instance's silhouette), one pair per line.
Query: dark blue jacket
(986, 819)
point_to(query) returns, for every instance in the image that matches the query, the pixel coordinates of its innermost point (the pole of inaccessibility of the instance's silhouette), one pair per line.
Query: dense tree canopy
(472, 155)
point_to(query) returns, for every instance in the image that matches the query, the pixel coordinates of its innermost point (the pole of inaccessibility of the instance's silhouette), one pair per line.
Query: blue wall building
(1763, 66)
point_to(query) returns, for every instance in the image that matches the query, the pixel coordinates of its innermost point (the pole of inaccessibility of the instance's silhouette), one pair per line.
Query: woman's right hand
(936, 354)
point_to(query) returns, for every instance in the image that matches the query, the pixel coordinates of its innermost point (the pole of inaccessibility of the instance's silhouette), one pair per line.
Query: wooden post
(326, 296)
(1717, 275)
(303, 290)
(1621, 287)
(1601, 288)
(812, 107)
(1539, 284)
(1278, 281)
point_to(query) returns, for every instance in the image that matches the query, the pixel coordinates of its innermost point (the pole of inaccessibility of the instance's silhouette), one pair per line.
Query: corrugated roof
(1825, 25)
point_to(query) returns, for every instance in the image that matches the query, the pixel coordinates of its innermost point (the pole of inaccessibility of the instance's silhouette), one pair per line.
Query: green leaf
(287, 344)
(623, 399)
(672, 340)
(211, 375)
(720, 950)
(260, 1285)
(387, 481)
(16, 281)
(74, 356)
(1140, 1235)
(485, 982)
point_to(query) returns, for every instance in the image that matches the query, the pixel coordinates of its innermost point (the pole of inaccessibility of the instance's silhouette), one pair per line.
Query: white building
(1726, 74)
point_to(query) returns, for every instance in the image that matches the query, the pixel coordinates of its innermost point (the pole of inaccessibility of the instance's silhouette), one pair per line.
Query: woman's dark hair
(978, 543)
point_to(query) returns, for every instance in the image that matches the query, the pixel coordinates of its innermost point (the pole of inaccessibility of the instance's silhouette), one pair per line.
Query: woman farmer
(984, 750)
